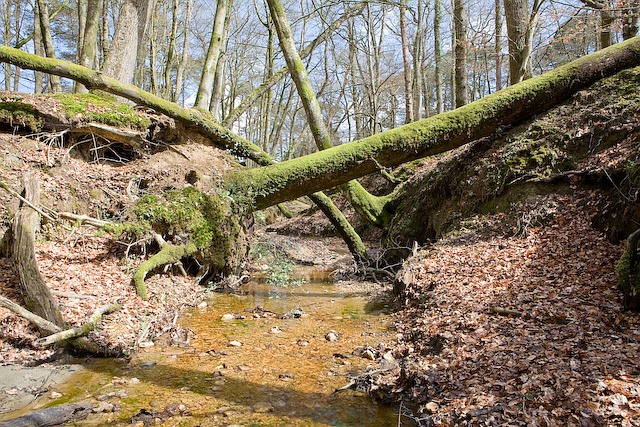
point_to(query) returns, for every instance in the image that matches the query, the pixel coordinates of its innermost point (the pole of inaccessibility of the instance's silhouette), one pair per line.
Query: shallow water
(274, 378)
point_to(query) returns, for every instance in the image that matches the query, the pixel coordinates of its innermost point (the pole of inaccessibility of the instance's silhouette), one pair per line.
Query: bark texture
(35, 292)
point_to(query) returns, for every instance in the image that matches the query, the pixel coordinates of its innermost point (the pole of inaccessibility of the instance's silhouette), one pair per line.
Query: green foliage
(280, 272)
(94, 108)
(19, 113)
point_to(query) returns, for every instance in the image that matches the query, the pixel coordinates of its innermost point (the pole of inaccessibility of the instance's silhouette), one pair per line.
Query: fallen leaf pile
(526, 329)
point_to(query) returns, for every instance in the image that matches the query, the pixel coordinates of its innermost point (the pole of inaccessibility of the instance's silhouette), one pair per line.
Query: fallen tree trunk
(329, 168)
(35, 292)
(50, 417)
(199, 122)
(95, 318)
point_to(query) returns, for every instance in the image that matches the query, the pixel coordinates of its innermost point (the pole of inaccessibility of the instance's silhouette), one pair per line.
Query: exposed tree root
(169, 254)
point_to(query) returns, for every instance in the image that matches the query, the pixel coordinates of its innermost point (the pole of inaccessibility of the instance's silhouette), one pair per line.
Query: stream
(244, 365)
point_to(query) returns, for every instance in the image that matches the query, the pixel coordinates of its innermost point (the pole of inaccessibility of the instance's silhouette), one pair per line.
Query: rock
(203, 304)
(104, 407)
(134, 381)
(432, 407)
(227, 317)
(55, 395)
(146, 344)
(388, 356)
(243, 368)
(332, 336)
(148, 365)
(275, 330)
(368, 354)
(235, 343)
(262, 407)
(303, 343)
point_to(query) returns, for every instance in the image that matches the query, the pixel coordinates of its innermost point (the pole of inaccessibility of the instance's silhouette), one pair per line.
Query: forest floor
(518, 326)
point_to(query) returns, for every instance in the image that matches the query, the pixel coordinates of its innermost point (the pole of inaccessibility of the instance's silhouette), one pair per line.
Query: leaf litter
(568, 355)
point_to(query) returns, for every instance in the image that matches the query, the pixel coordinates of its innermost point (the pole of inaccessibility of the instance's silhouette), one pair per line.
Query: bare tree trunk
(54, 81)
(437, 46)
(215, 105)
(185, 56)
(417, 66)
(498, 43)
(38, 49)
(521, 24)
(37, 296)
(203, 96)
(120, 62)
(170, 60)
(460, 24)
(89, 40)
(408, 101)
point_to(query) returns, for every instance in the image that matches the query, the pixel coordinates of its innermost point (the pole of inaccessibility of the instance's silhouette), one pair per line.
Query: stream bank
(266, 355)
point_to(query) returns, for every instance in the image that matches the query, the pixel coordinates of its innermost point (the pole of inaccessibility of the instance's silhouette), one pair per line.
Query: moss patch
(21, 114)
(90, 107)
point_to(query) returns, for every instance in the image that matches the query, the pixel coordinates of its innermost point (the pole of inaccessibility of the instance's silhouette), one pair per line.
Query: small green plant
(280, 274)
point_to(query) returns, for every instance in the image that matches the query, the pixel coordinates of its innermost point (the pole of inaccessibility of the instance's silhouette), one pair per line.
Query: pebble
(262, 407)
(432, 407)
(148, 365)
(55, 395)
(104, 407)
(388, 356)
(243, 368)
(234, 343)
(275, 330)
(368, 354)
(134, 381)
(332, 336)
(227, 317)
(203, 304)
(146, 344)
(303, 343)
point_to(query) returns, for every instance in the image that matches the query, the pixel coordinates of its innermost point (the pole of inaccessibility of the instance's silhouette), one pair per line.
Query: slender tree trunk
(185, 56)
(250, 99)
(82, 25)
(7, 37)
(38, 49)
(408, 101)
(45, 27)
(460, 24)
(170, 60)
(215, 105)
(203, 96)
(417, 66)
(120, 62)
(89, 41)
(498, 43)
(521, 24)
(437, 47)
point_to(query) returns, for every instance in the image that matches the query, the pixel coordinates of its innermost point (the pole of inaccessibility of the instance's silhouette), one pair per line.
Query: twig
(71, 295)
(25, 201)
(40, 322)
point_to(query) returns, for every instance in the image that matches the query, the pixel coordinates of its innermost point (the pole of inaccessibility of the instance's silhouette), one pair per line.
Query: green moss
(19, 113)
(97, 108)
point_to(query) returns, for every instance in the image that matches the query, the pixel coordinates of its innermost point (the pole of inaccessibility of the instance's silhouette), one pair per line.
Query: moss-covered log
(197, 121)
(329, 168)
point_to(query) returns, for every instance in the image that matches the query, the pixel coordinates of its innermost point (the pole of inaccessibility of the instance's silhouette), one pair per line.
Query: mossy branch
(80, 331)
(437, 134)
(199, 122)
(628, 272)
(169, 254)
